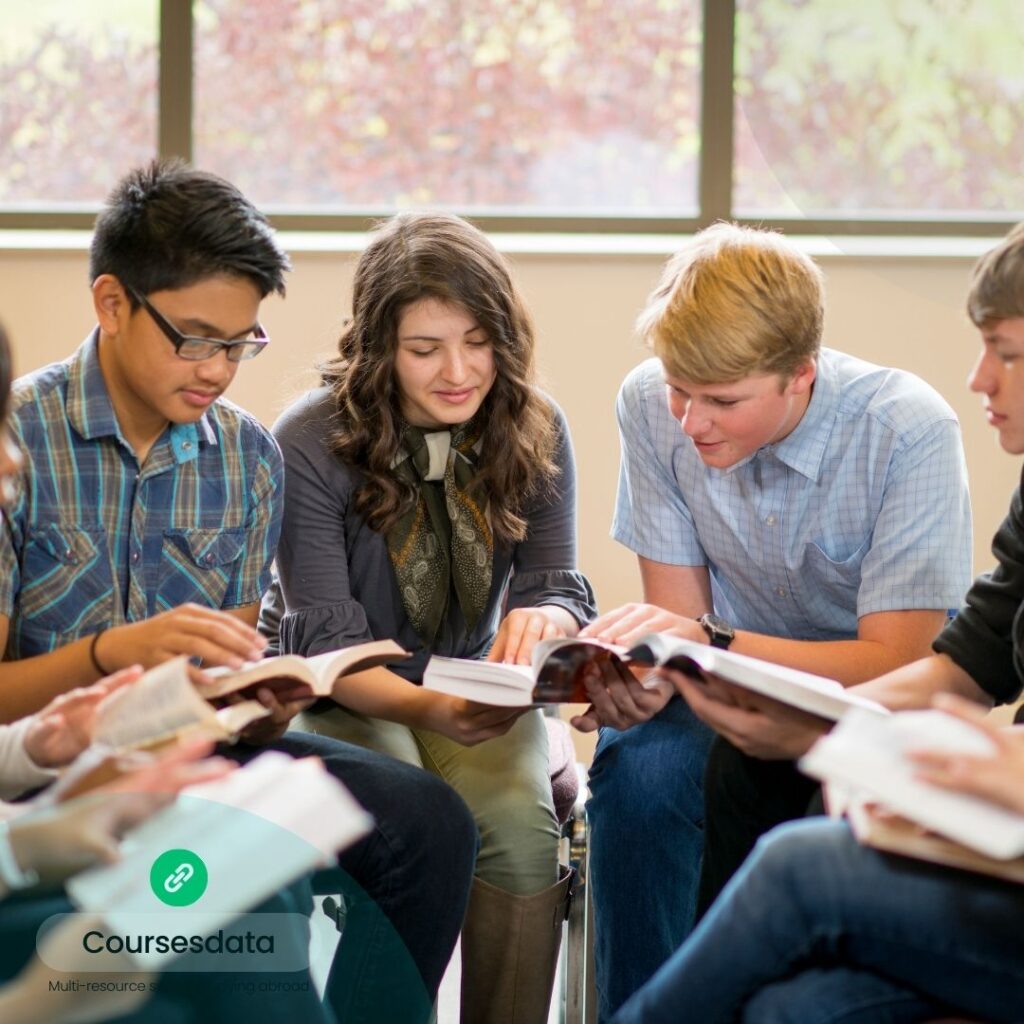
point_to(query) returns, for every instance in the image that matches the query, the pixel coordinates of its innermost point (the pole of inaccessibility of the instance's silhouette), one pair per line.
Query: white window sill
(821, 247)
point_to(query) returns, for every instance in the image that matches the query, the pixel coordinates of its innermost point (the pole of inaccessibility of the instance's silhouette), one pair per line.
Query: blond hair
(997, 281)
(735, 301)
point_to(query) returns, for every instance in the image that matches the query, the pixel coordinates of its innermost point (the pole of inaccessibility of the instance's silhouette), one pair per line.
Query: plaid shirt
(94, 540)
(862, 508)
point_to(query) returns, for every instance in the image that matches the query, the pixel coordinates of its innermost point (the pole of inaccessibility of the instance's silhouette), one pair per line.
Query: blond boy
(784, 500)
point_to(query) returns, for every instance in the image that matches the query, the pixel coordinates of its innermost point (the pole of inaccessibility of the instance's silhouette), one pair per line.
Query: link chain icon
(178, 878)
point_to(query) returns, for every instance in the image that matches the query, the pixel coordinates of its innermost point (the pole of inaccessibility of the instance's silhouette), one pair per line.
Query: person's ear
(110, 301)
(802, 380)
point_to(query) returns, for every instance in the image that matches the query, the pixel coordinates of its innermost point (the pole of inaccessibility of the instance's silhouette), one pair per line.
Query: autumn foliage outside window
(581, 107)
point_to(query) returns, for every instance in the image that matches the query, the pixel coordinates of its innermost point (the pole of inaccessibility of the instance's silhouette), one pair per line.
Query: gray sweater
(336, 585)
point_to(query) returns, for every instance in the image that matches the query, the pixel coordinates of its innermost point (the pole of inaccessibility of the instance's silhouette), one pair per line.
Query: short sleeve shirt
(92, 539)
(862, 508)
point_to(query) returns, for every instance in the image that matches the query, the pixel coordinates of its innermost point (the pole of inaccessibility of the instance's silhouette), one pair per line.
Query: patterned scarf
(444, 539)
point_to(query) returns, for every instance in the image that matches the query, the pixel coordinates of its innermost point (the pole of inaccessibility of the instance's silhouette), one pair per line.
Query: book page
(816, 695)
(349, 660)
(868, 753)
(285, 670)
(289, 671)
(162, 702)
(899, 835)
(486, 682)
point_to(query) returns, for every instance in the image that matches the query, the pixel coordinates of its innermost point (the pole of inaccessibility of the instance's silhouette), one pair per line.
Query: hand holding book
(997, 776)
(968, 792)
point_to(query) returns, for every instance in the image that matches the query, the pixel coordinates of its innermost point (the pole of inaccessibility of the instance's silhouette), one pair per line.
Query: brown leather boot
(510, 952)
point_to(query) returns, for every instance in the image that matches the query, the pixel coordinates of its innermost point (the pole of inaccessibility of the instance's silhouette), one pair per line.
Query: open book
(165, 705)
(293, 672)
(866, 756)
(255, 831)
(555, 675)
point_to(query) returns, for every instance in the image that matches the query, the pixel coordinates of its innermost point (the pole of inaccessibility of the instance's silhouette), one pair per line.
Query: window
(885, 116)
(879, 109)
(570, 106)
(78, 97)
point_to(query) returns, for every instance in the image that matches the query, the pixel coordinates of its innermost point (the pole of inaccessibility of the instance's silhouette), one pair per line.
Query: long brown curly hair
(440, 256)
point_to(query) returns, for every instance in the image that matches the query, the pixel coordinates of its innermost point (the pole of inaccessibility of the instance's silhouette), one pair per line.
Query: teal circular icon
(178, 878)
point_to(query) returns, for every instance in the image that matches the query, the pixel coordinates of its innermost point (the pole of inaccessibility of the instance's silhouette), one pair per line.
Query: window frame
(714, 179)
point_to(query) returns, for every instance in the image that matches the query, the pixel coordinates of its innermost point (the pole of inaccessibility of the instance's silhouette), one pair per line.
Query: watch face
(720, 633)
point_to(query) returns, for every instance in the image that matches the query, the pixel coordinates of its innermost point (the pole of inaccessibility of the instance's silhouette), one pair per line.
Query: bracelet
(92, 653)
(11, 872)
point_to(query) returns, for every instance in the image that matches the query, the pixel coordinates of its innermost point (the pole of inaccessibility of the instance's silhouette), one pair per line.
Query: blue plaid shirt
(862, 508)
(94, 540)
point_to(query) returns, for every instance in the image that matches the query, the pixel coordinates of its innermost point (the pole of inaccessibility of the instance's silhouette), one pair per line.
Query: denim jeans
(646, 814)
(745, 797)
(406, 884)
(815, 927)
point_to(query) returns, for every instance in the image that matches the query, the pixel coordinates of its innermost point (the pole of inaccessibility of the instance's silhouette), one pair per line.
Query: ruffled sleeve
(565, 588)
(316, 630)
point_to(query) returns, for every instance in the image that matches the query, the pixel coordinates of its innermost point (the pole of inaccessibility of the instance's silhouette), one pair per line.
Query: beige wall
(902, 312)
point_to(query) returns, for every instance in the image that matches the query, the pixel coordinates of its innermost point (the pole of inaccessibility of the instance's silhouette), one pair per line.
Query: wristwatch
(720, 633)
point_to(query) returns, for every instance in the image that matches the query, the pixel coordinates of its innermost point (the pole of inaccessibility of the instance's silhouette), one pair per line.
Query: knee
(650, 776)
(518, 841)
(443, 814)
(793, 855)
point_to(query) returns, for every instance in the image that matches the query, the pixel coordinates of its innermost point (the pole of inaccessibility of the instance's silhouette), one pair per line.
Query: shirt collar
(803, 449)
(91, 413)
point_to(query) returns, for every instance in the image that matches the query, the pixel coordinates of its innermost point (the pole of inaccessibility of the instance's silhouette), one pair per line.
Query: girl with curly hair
(431, 499)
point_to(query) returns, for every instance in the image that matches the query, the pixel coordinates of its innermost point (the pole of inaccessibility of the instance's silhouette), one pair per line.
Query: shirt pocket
(67, 585)
(199, 565)
(838, 577)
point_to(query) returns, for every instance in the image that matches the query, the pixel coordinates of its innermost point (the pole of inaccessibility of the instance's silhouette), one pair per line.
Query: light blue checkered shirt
(862, 508)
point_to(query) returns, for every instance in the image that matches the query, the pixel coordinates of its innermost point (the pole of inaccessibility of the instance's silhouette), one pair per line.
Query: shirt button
(186, 445)
(208, 559)
(770, 520)
(781, 591)
(135, 556)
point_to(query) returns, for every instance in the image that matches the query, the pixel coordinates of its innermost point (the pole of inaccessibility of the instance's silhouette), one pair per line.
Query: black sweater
(986, 639)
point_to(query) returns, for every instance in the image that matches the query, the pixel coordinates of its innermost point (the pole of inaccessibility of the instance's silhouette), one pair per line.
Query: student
(43, 844)
(144, 526)
(785, 501)
(431, 490)
(813, 926)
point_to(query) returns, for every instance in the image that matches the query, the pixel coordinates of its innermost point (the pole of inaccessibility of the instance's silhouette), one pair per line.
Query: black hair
(168, 225)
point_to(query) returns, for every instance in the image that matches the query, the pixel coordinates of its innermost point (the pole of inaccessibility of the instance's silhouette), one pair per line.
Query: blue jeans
(815, 927)
(646, 813)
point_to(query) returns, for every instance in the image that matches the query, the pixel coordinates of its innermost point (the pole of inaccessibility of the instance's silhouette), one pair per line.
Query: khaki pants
(504, 782)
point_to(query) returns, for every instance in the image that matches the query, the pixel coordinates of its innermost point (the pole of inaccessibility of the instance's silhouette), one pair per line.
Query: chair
(569, 788)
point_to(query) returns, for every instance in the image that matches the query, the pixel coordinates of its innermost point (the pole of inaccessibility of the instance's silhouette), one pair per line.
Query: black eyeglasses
(194, 348)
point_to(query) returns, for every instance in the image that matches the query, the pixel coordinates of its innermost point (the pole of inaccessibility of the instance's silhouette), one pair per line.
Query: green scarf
(445, 537)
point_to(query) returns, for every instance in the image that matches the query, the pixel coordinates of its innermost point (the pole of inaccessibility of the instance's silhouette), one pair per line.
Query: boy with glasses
(144, 526)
